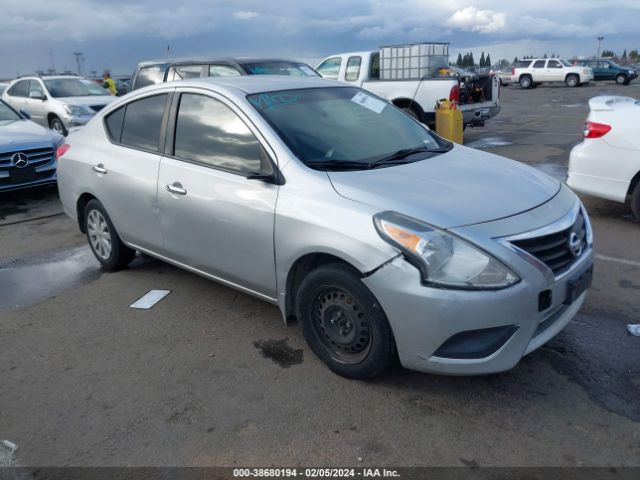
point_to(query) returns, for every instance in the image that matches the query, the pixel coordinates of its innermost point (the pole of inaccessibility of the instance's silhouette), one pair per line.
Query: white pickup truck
(477, 96)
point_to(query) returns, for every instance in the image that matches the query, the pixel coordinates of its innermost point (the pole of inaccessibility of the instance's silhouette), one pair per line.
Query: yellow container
(449, 121)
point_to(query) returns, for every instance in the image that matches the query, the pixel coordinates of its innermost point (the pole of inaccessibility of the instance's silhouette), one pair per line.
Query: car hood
(25, 134)
(461, 187)
(88, 100)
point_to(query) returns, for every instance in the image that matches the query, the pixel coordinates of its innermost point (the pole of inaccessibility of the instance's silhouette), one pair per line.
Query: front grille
(97, 108)
(37, 157)
(554, 249)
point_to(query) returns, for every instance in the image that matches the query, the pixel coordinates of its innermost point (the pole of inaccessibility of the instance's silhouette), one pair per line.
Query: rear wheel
(526, 81)
(635, 201)
(621, 79)
(572, 81)
(103, 238)
(343, 323)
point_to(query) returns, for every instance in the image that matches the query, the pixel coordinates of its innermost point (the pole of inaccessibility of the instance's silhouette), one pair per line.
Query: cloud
(245, 15)
(475, 20)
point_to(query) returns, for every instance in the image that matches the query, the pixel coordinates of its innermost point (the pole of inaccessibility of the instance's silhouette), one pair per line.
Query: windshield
(326, 126)
(7, 113)
(73, 87)
(280, 68)
(565, 63)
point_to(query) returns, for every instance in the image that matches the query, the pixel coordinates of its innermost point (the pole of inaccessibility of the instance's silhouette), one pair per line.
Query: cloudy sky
(116, 34)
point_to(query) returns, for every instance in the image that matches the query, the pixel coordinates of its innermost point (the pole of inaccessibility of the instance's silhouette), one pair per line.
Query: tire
(412, 112)
(343, 323)
(56, 125)
(621, 79)
(572, 81)
(635, 201)
(103, 239)
(525, 82)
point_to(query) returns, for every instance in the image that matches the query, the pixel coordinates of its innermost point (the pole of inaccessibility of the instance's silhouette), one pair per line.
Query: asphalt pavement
(210, 376)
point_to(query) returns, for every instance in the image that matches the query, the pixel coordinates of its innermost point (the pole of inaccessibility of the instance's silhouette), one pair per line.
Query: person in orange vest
(108, 83)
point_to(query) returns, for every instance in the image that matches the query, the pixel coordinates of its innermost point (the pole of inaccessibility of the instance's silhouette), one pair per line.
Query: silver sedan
(384, 240)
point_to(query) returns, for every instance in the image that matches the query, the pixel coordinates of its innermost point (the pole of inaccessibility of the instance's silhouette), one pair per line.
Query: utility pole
(599, 40)
(79, 60)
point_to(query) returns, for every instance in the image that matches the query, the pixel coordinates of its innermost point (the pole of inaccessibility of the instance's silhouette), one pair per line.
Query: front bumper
(423, 318)
(44, 175)
(71, 121)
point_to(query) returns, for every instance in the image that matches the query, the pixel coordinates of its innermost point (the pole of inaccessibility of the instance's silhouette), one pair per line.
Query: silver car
(59, 102)
(381, 238)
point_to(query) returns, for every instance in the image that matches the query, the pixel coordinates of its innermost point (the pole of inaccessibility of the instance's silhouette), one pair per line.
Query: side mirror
(37, 96)
(25, 114)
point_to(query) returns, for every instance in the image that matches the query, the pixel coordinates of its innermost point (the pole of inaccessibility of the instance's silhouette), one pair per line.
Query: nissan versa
(381, 238)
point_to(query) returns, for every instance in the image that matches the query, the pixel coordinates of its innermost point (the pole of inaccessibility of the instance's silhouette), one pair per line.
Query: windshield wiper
(407, 152)
(338, 164)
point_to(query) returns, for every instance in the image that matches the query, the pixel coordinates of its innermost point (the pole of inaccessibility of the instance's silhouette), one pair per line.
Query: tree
(459, 60)
(482, 60)
(487, 60)
(545, 56)
(634, 56)
(624, 54)
(515, 60)
(472, 62)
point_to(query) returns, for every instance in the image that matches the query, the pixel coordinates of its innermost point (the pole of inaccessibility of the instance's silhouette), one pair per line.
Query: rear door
(214, 219)
(538, 71)
(125, 167)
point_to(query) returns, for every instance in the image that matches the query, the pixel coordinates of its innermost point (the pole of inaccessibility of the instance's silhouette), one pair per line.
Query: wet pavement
(210, 376)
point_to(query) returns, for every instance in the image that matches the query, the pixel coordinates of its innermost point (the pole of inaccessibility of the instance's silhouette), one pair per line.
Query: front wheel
(635, 201)
(56, 125)
(103, 238)
(343, 323)
(621, 79)
(572, 81)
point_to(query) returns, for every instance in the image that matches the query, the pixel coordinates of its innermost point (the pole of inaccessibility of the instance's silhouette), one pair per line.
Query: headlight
(76, 111)
(443, 259)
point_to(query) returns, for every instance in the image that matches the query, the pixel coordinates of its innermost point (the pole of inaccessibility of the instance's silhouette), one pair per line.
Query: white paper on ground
(150, 298)
(367, 101)
(634, 329)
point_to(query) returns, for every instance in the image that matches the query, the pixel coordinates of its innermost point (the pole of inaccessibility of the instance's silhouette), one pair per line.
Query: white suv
(58, 102)
(530, 73)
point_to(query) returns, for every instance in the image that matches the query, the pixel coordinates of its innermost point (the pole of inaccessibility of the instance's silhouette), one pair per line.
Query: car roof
(250, 84)
(204, 60)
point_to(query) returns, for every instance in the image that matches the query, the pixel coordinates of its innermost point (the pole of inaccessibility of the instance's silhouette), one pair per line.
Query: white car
(529, 73)
(607, 163)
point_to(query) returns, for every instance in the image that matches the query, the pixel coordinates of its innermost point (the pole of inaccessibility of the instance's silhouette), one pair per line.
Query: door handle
(176, 187)
(100, 169)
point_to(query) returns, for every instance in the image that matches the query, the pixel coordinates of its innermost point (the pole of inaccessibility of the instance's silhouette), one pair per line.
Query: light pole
(599, 40)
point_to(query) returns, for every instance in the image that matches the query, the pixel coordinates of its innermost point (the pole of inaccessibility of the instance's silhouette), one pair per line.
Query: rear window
(142, 123)
(279, 68)
(20, 89)
(182, 72)
(149, 76)
(522, 64)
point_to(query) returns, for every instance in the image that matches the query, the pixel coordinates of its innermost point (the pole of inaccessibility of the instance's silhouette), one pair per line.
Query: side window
(142, 122)
(374, 68)
(113, 124)
(182, 72)
(223, 71)
(539, 64)
(36, 86)
(353, 69)
(604, 65)
(20, 89)
(149, 76)
(554, 64)
(330, 68)
(207, 131)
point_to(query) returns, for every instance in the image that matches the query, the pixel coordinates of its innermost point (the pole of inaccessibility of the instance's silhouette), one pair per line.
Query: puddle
(279, 352)
(574, 105)
(559, 172)
(28, 282)
(488, 142)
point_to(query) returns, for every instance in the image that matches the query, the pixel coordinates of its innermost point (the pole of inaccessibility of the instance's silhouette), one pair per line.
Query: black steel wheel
(343, 323)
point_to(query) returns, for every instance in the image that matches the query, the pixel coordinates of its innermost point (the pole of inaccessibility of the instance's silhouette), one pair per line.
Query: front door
(555, 71)
(213, 218)
(36, 106)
